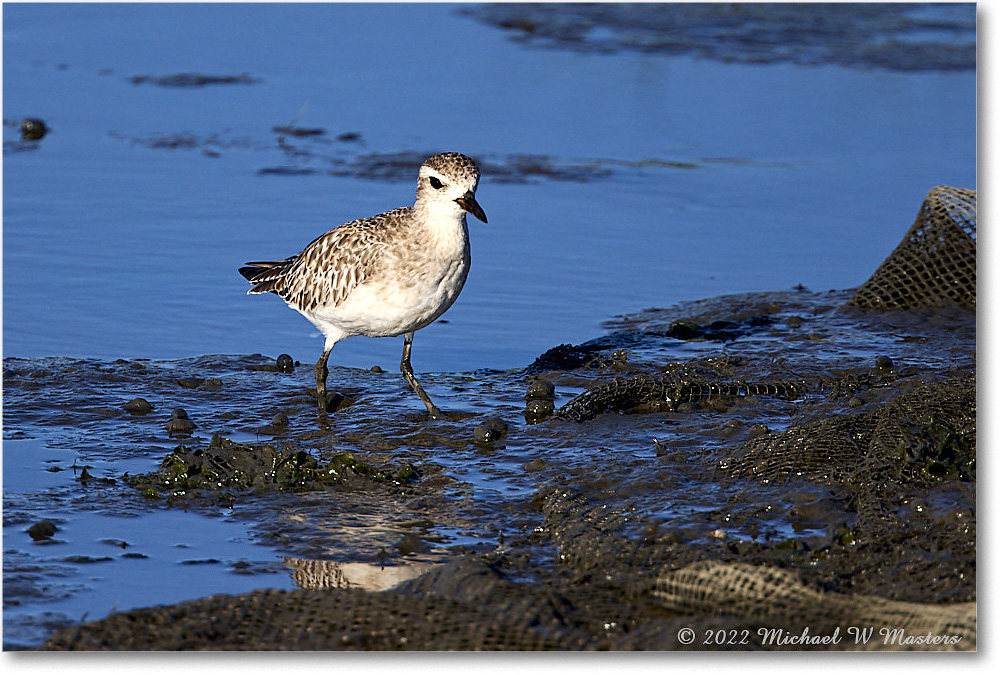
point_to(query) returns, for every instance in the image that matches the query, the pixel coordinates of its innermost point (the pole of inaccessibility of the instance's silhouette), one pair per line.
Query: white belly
(394, 303)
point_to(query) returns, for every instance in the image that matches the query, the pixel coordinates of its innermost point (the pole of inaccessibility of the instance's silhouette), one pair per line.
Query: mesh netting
(664, 392)
(936, 261)
(611, 592)
(769, 595)
(928, 433)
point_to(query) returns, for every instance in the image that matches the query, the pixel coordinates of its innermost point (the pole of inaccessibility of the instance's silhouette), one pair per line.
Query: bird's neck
(443, 222)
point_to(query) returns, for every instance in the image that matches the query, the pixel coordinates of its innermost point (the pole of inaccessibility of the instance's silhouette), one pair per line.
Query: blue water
(103, 558)
(111, 248)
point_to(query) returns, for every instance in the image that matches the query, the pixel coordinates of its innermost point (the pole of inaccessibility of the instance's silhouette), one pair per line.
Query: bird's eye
(435, 183)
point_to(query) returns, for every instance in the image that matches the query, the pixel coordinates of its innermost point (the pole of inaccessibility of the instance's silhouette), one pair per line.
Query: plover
(388, 275)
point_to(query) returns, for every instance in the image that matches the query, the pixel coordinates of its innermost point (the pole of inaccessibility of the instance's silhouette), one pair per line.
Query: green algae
(226, 467)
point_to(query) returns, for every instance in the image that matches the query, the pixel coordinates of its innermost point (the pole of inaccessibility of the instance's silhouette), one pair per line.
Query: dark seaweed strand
(625, 393)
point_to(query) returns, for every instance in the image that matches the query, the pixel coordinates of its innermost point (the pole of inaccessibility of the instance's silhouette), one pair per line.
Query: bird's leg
(407, 369)
(321, 373)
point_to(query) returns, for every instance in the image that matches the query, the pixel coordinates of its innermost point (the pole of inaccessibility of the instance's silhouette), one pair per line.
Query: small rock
(759, 430)
(490, 430)
(537, 410)
(883, 363)
(138, 406)
(181, 426)
(284, 363)
(540, 390)
(856, 402)
(43, 529)
(179, 422)
(33, 129)
(376, 369)
(278, 425)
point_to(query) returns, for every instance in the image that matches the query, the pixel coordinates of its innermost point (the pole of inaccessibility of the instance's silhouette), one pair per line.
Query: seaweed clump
(226, 468)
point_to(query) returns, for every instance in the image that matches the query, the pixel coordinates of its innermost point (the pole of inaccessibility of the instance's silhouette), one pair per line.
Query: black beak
(469, 203)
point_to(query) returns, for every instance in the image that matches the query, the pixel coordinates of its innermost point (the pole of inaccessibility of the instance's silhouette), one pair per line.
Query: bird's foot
(335, 401)
(437, 414)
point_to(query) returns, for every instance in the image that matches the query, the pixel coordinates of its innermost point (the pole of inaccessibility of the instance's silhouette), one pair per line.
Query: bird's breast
(408, 293)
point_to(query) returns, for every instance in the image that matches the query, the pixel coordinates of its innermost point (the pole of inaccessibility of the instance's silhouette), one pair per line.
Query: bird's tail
(267, 276)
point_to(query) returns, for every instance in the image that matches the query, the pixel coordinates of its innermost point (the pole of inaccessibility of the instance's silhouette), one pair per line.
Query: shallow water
(123, 228)
(614, 181)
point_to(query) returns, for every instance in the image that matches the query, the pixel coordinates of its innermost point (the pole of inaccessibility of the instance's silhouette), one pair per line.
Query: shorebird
(388, 275)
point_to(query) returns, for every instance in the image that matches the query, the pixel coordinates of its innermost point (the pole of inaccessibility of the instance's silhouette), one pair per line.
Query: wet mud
(592, 512)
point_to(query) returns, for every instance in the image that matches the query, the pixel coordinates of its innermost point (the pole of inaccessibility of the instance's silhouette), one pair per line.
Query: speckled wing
(330, 267)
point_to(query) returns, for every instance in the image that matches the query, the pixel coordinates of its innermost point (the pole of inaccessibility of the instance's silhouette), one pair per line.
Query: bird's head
(447, 182)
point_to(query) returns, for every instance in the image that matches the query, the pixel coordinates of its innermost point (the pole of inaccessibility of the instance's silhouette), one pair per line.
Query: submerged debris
(894, 37)
(188, 80)
(298, 132)
(400, 166)
(722, 331)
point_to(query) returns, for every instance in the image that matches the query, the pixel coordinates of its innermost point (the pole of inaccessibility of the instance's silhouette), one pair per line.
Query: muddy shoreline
(598, 513)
